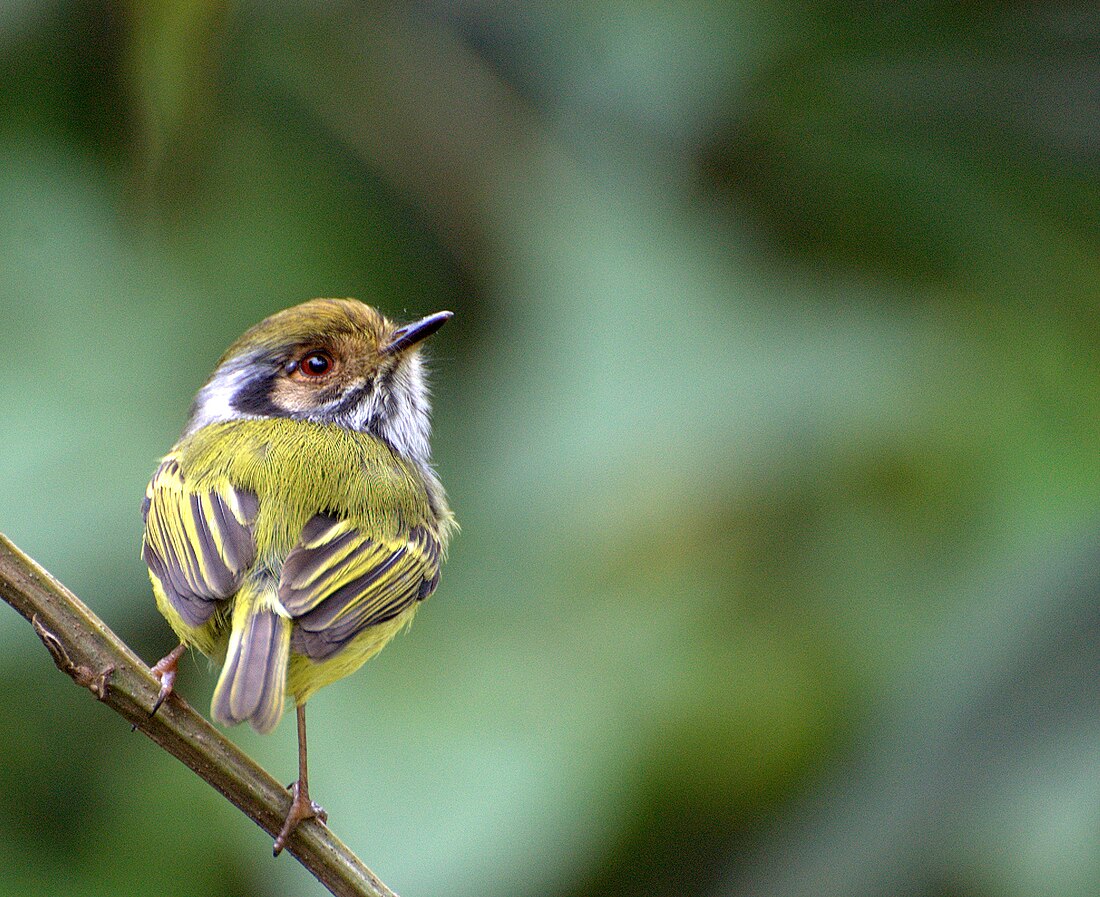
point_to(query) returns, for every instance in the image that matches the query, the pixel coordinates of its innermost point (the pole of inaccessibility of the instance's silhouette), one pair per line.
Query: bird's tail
(252, 685)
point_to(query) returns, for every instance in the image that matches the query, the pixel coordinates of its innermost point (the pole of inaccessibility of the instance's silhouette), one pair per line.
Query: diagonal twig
(83, 647)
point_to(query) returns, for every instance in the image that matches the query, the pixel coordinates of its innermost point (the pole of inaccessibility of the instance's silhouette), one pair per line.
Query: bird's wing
(198, 544)
(338, 581)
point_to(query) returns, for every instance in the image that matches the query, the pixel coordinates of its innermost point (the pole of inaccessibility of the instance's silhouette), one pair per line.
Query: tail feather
(252, 685)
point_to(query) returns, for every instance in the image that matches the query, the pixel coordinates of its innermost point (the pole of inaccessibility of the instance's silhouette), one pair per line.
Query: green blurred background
(770, 411)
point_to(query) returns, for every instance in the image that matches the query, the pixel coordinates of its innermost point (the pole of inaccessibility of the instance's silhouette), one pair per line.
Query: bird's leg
(301, 807)
(164, 670)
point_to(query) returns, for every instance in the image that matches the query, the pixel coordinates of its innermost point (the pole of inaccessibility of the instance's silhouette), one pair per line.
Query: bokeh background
(770, 412)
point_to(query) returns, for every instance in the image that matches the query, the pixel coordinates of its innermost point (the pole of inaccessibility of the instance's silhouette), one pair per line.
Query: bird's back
(346, 540)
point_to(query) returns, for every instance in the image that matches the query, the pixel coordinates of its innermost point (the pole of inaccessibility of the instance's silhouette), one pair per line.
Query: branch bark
(83, 647)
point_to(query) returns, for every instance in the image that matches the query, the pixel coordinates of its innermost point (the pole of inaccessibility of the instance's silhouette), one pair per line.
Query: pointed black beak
(411, 334)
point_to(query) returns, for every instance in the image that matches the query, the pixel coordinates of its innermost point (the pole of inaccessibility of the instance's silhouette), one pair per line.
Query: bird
(298, 524)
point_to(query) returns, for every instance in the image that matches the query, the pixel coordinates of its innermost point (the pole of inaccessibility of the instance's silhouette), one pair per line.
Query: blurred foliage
(769, 411)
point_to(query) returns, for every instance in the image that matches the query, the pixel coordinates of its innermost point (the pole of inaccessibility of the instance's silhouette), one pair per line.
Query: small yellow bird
(297, 524)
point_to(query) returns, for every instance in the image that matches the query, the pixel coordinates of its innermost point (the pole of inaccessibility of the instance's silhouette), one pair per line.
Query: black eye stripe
(354, 397)
(255, 397)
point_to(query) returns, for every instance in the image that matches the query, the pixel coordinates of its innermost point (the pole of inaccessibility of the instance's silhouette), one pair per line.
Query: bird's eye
(316, 364)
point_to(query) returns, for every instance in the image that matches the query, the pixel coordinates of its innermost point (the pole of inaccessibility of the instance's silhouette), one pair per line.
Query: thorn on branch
(96, 683)
(53, 645)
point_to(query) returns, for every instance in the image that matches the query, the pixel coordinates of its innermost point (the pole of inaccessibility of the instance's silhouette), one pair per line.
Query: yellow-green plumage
(296, 526)
(296, 470)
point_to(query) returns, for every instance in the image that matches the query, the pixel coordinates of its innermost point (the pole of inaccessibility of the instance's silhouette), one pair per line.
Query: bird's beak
(411, 334)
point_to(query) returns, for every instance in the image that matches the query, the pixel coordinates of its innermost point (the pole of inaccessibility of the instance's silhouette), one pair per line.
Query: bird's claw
(301, 809)
(164, 671)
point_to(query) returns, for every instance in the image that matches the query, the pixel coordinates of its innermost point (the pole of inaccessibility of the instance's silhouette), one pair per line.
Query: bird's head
(332, 361)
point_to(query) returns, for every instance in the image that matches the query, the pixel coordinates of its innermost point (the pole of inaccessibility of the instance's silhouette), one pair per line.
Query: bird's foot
(301, 809)
(164, 671)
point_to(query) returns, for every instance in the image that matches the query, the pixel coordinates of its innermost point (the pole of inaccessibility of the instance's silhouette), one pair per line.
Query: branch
(95, 658)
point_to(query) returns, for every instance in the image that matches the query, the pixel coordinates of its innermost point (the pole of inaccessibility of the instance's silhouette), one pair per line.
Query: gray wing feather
(198, 545)
(338, 582)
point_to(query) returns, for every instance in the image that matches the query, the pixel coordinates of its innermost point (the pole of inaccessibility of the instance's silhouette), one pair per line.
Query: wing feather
(197, 544)
(337, 582)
